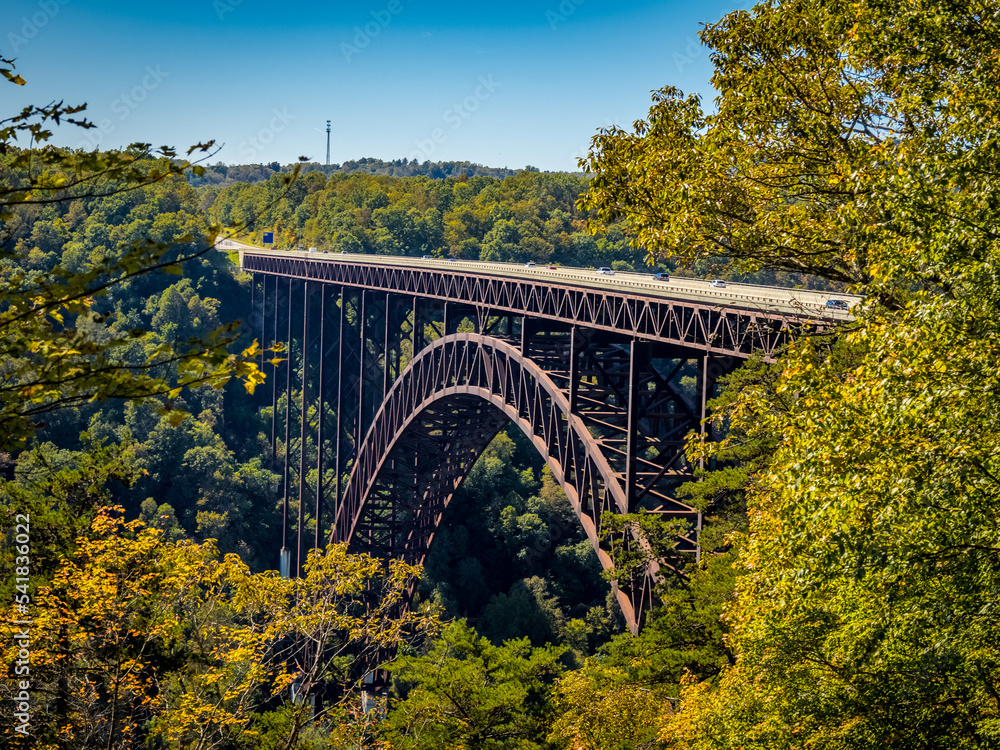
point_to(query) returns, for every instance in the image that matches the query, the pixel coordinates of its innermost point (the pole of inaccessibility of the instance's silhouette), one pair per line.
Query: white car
(529, 264)
(717, 283)
(606, 271)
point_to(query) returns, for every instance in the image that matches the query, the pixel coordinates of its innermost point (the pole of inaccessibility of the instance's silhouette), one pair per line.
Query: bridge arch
(440, 414)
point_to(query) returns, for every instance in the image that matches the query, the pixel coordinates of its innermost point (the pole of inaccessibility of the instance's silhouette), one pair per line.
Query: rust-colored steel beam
(460, 391)
(723, 329)
(599, 380)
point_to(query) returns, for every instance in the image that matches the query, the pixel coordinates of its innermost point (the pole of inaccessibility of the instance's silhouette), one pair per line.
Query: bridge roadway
(606, 376)
(734, 320)
(771, 299)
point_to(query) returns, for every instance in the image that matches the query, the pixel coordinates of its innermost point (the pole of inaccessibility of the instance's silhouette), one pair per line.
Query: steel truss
(395, 405)
(721, 329)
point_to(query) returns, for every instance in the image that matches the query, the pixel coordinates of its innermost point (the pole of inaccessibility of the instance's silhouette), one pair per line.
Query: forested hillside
(206, 469)
(525, 216)
(158, 465)
(223, 175)
(846, 593)
(210, 475)
(528, 216)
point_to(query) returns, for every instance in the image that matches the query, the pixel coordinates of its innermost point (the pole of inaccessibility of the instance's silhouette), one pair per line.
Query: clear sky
(507, 84)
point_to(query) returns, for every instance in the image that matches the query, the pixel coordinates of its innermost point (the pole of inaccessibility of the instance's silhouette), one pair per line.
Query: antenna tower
(328, 143)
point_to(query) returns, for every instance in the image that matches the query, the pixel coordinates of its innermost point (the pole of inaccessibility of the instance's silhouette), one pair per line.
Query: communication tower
(328, 143)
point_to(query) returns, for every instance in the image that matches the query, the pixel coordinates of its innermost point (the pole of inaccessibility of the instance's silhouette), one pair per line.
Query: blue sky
(509, 84)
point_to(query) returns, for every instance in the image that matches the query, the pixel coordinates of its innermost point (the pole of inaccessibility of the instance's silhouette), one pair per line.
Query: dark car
(661, 277)
(837, 304)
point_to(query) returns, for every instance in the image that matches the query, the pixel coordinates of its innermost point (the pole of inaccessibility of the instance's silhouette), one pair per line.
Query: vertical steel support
(274, 380)
(320, 414)
(288, 423)
(574, 368)
(703, 364)
(340, 406)
(303, 422)
(417, 334)
(359, 435)
(636, 351)
(263, 317)
(386, 349)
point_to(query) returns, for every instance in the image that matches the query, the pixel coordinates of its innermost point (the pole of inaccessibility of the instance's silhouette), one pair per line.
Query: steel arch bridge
(404, 371)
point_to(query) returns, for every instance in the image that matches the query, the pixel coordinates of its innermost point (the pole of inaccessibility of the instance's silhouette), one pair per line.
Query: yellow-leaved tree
(140, 641)
(858, 142)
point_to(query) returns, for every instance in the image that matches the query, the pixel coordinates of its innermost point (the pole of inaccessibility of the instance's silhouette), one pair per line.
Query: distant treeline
(527, 216)
(222, 175)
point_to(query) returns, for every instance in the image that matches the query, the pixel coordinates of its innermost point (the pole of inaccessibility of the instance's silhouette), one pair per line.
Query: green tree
(51, 313)
(142, 639)
(856, 142)
(600, 708)
(846, 138)
(469, 693)
(59, 491)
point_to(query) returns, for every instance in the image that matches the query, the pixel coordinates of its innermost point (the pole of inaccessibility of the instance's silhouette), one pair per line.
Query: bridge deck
(736, 320)
(606, 375)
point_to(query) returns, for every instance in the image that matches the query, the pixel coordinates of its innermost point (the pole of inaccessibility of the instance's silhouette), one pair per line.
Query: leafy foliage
(469, 693)
(599, 708)
(512, 557)
(855, 142)
(139, 639)
(53, 346)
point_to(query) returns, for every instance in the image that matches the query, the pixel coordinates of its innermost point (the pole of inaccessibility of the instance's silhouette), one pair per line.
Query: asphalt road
(745, 296)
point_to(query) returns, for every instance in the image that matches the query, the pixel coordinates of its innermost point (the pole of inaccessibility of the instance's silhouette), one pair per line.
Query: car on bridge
(837, 304)
(661, 277)
(529, 264)
(606, 271)
(717, 283)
